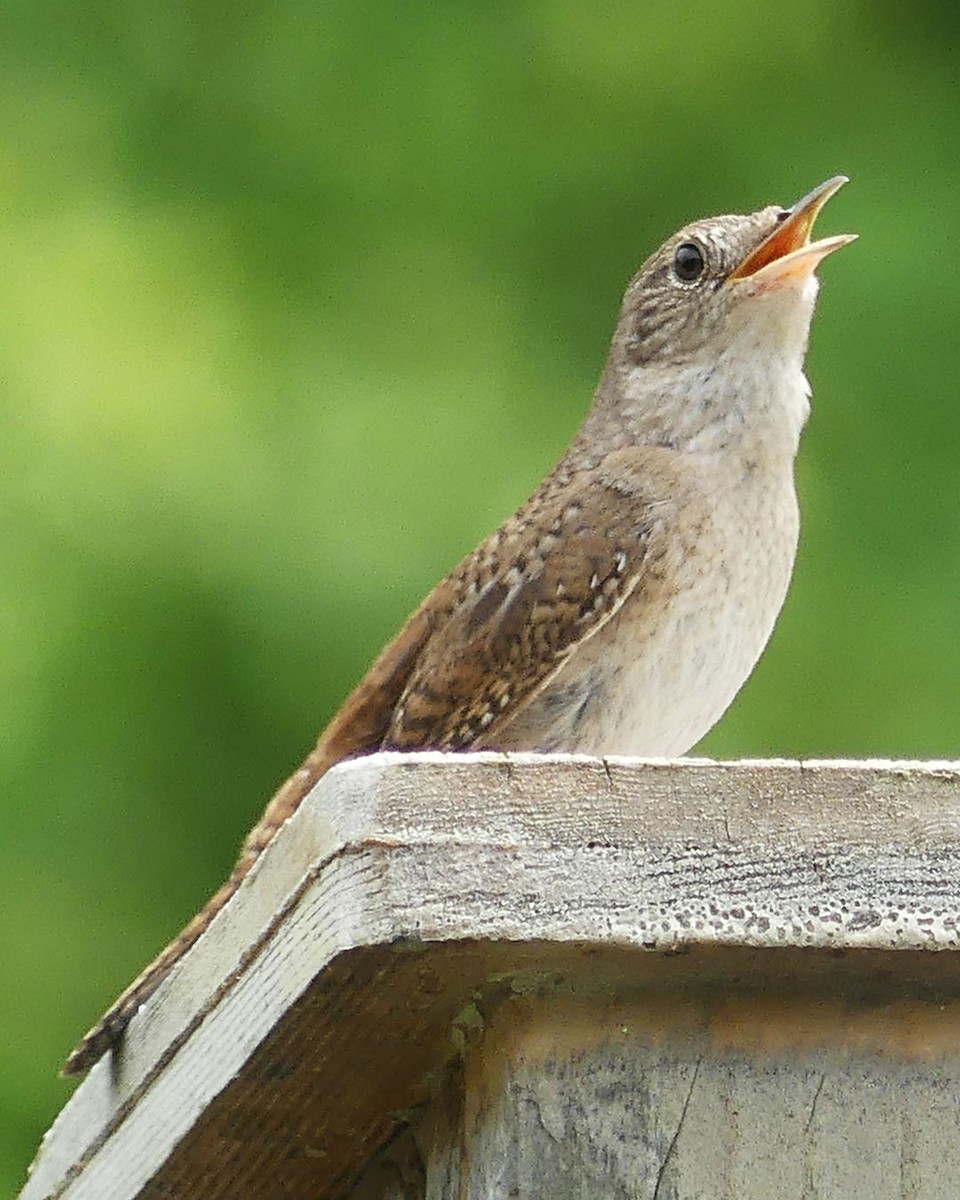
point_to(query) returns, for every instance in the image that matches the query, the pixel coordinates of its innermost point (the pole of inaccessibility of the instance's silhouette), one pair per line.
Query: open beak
(788, 254)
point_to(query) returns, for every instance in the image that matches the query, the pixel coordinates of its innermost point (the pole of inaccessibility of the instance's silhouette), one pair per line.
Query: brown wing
(541, 586)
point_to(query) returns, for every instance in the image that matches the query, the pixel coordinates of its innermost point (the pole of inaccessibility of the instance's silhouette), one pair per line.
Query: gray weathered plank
(317, 1011)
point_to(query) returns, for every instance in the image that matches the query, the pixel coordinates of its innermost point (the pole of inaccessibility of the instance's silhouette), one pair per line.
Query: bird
(624, 604)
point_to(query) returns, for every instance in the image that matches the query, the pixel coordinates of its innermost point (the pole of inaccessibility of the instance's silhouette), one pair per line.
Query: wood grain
(430, 932)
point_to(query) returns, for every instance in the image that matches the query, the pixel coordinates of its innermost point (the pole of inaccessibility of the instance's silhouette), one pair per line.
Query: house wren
(620, 609)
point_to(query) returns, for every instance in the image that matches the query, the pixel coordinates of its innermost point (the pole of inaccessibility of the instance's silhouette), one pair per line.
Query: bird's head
(719, 312)
(715, 277)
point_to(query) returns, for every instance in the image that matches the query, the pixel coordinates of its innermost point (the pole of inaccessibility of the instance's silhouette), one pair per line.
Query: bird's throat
(740, 403)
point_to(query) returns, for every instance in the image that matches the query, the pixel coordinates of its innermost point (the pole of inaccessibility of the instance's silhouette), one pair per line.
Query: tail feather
(358, 728)
(109, 1029)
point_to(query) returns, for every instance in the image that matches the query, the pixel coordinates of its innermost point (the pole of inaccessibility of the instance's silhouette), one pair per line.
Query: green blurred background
(298, 301)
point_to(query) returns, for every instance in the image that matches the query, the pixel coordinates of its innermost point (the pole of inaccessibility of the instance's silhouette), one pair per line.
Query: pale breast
(660, 674)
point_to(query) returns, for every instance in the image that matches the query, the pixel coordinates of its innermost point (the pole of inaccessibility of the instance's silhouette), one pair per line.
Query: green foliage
(297, 301)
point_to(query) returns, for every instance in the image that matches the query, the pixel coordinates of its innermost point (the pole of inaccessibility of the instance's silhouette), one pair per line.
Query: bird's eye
(688, 262)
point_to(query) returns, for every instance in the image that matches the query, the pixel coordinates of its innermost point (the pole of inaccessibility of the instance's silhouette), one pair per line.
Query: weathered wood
(714, 1096)
(483, 951)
